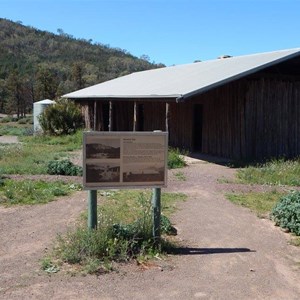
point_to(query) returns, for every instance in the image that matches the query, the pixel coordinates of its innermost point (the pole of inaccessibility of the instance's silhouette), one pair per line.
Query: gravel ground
(227, 252)
(7, 139)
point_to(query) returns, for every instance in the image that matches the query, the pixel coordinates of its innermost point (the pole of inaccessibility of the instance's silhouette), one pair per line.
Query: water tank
(38, 108)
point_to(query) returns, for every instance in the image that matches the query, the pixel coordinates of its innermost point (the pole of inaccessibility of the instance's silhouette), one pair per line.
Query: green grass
(123, 204)
(28, 192)
(260, 203)
(35, 152)
(15, 129)
(275, 172)
(124, 232)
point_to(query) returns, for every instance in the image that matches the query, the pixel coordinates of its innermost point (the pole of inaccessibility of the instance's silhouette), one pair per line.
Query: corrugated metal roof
(183, 81)
(45, 101)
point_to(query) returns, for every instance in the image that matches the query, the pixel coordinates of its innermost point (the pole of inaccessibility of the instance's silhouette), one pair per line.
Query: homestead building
(245, 107)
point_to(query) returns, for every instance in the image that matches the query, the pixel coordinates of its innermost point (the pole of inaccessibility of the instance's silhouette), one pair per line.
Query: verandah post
(134, 116)
(167, 116)
(110, 127)
(95, 115)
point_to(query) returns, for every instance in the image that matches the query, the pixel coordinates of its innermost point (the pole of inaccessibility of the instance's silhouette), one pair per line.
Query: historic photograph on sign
(102, 172)
(102, 149)
(143, 173)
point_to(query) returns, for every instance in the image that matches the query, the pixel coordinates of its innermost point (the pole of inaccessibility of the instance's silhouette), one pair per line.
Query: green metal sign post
(92, 209)
(156, 207)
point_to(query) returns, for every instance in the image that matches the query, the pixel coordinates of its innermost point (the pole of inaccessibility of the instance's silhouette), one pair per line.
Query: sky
(171, 32)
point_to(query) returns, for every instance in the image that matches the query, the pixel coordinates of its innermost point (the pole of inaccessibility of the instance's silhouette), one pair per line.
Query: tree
(77, 75)
(15, 88)
(46, 83)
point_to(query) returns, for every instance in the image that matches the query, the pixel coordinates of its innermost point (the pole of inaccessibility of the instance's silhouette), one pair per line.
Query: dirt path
(229, 253)
(9, 139)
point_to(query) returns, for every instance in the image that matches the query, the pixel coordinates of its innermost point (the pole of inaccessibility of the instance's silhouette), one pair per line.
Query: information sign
(124, 159)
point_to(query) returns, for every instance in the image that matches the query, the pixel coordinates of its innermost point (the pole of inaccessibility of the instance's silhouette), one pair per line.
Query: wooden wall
(253, 118)
(272, 111)
(154, 114)
(123, 115)
(181, 125)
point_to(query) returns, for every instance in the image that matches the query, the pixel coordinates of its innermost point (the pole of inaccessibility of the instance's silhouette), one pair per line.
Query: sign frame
(124, 159)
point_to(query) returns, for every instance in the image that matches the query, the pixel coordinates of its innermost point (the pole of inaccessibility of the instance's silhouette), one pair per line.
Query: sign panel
(124, 159)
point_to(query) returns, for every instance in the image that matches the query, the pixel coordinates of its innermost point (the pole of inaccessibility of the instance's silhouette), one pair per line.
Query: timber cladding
(253, 118)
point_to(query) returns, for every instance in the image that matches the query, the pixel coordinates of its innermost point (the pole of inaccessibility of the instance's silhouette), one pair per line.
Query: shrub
(64, 117)
(63, 167)
(175, 159)
(286, 213)
(22, 121)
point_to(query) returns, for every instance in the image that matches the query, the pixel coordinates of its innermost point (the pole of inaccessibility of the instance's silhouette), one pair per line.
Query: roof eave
(124, 97)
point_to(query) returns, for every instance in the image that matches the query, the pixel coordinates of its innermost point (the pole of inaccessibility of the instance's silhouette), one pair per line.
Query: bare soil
(227, 251)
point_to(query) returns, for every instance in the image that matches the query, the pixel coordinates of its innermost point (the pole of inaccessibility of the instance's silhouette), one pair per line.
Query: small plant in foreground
(286, 213)
(180, 176)
(48, 266)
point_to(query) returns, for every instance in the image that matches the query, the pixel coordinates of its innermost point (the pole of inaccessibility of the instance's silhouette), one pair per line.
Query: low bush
(286, 213)
(22, 121)
(63, 167)
(64, 117)
(175, 159)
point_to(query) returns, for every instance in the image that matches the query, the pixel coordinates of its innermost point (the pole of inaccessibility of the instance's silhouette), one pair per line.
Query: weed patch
(275, 172)
(33, 192)
(124, 232)
(180, 176)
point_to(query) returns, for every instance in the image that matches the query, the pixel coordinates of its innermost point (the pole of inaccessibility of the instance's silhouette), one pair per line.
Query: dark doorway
(105, 110)
(198, 120)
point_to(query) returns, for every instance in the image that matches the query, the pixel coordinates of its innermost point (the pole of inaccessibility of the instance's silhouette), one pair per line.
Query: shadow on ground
(204, 251)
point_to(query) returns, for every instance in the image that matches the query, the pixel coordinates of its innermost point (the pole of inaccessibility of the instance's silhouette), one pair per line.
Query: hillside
(36, 65)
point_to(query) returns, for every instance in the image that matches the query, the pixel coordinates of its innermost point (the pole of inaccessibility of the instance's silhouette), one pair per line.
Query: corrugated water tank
(38, 108)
